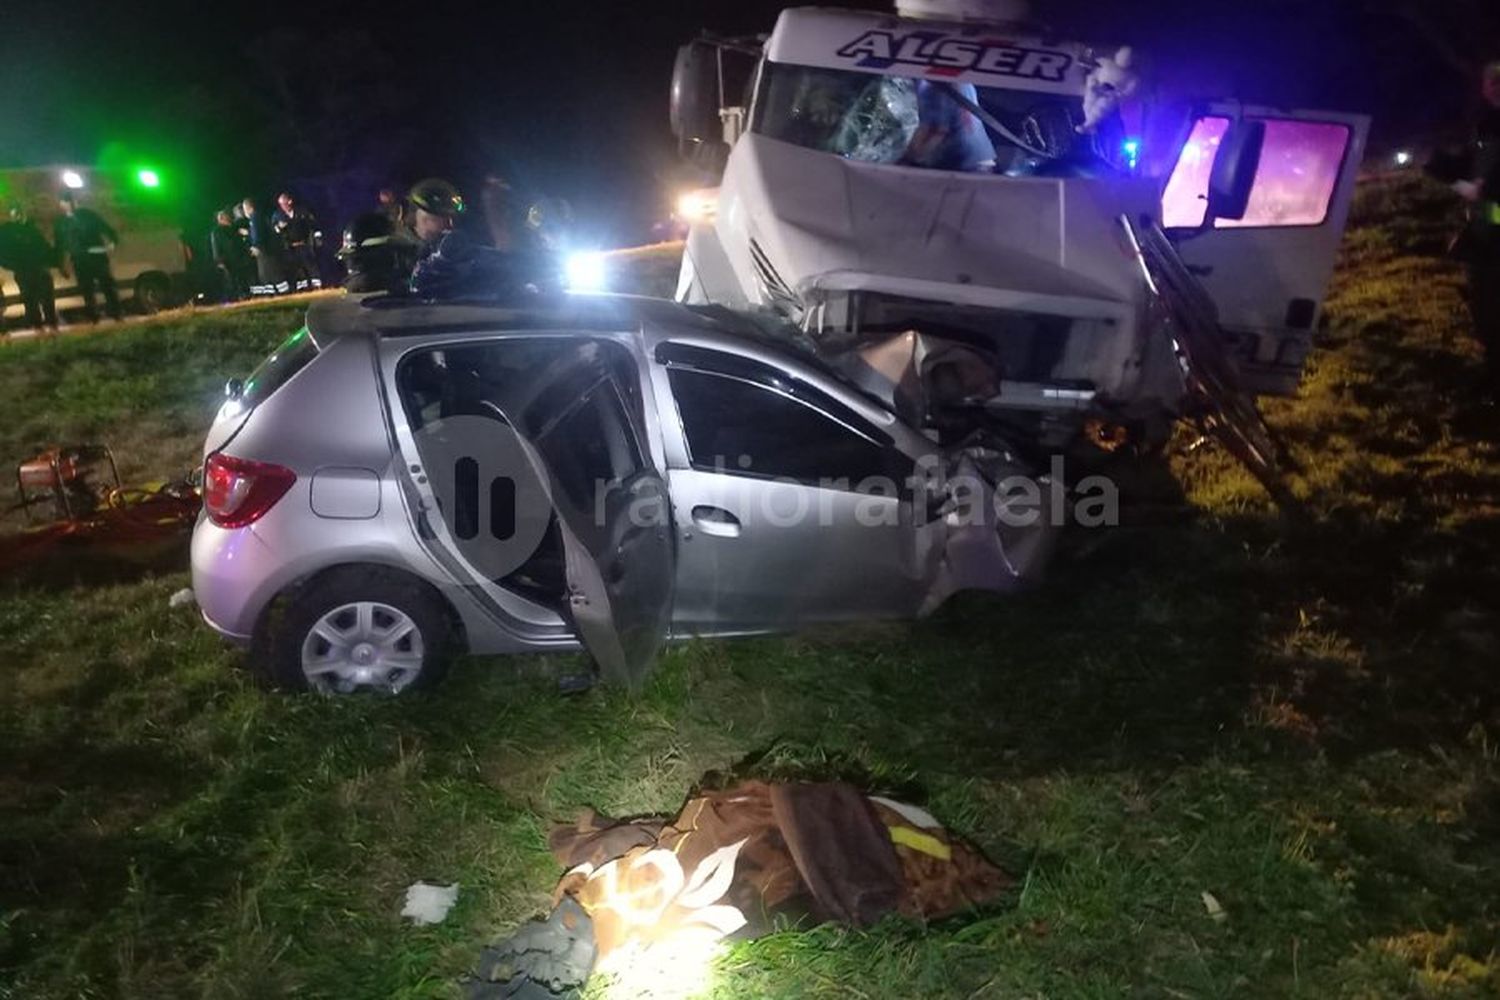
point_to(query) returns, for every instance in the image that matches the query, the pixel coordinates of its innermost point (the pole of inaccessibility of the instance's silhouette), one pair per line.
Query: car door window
(590, 446)
(736, 426)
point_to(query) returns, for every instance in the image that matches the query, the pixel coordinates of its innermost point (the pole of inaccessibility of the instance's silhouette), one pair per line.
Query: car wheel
(355, 630)
(153, 292)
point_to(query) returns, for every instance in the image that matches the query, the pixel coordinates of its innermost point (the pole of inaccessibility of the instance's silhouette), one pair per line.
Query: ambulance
(940, 182)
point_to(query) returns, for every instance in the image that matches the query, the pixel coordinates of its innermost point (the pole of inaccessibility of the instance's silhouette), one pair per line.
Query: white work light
(72, 179)
(586, 271)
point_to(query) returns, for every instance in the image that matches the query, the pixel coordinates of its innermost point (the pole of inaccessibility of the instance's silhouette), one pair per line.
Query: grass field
(1303, 723)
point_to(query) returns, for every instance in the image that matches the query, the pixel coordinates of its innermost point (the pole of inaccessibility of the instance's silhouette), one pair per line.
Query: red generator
(76, 480)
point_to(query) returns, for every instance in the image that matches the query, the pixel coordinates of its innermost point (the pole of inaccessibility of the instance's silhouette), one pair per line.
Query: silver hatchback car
(402, 480)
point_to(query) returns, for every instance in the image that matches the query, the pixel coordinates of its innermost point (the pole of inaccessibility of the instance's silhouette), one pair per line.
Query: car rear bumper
(235, 574)
(234, 637)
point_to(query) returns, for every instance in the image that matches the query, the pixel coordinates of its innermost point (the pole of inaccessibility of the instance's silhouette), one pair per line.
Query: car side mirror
(695, 95)
(1234, 170)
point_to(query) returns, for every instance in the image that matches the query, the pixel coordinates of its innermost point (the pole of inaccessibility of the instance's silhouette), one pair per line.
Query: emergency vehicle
(897, 183)
(150, 261)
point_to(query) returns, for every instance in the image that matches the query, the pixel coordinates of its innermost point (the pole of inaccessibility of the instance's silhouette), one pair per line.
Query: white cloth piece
(429, 904)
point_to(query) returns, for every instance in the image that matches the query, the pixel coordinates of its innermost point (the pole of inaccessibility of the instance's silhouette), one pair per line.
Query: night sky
(566, 99)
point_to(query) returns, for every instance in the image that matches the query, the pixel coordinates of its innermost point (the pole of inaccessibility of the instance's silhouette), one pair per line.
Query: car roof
(654, 320)
(403, 316)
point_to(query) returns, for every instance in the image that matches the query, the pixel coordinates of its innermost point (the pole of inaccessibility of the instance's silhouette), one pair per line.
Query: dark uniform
(378, 253)
(231, 255)
(86, 238)
(298, 231)
(270, 255)
(25, 252)
(1482, 243)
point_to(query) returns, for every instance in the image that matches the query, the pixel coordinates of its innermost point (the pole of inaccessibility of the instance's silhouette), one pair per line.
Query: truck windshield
(931, 123)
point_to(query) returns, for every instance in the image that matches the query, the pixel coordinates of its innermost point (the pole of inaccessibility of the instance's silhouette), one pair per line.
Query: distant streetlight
(148, 178)
(72, 179)
(1403, 158)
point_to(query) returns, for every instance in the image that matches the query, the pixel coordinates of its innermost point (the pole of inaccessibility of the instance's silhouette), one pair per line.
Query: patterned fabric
(732, 860)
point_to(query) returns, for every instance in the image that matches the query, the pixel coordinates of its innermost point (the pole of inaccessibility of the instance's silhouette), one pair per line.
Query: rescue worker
(392, 207)
(436, 208)
(231, 255)
(266, 248)
(299, 234)
(86, 239)
(462, 255)
(378, 254)
(25, 252)
(1482, 192)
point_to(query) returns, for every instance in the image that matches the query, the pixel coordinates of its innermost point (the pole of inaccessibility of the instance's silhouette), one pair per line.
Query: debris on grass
(1215, 909)
(429, 904)
(182, 599)
(648, 901)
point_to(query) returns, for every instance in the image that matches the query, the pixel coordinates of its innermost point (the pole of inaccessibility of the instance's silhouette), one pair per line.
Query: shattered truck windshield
(936, 124)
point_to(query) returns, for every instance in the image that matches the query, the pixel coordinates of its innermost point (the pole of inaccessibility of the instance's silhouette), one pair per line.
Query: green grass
(1301, 722)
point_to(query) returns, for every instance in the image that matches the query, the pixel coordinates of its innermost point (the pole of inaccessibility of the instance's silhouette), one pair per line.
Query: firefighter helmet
(437, 196)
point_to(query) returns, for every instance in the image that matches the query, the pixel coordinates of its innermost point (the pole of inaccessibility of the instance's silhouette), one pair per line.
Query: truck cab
(888, 175)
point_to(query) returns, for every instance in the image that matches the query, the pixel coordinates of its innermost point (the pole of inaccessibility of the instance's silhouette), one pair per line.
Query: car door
(491, 425)
(586, 429)
(790, 508)
(1267, 273)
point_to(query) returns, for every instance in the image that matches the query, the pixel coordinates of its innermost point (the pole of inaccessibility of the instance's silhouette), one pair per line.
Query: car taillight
(237, 491)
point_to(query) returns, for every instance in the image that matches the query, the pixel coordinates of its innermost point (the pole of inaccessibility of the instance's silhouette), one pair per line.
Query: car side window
(591, 446)
(737, 427)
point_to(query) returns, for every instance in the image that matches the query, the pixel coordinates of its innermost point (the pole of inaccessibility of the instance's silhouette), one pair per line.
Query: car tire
(153, 292)
(356, 629)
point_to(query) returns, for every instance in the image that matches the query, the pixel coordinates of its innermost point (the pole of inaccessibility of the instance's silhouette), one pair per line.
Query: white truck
(149, 264)
(909, 190)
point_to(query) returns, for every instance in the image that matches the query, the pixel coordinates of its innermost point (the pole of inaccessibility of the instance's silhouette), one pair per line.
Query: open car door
(1268, 272)
(585, 429)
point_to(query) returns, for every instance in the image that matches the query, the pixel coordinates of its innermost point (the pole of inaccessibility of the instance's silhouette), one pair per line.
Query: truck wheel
(356, 629)
(153, 292)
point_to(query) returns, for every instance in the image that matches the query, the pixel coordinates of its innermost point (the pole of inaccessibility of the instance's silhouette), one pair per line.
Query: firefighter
(231, 255)
(299, 234)
(87, 240)
(436, 208)
(378, 254)
(266, 248)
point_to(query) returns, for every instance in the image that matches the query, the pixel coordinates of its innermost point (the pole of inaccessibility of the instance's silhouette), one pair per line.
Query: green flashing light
(148, 178)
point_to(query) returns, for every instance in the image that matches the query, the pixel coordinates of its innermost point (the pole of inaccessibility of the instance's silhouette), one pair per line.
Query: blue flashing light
(1131, 149)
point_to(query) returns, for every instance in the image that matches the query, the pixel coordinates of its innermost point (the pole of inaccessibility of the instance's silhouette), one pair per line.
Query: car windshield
(935, 124)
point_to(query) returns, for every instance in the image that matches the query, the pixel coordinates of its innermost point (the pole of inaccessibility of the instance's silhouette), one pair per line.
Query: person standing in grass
(1481, 242)
(28, 255)
(87, 239)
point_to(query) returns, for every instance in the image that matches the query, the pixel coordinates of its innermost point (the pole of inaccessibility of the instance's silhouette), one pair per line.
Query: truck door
(1268, 272)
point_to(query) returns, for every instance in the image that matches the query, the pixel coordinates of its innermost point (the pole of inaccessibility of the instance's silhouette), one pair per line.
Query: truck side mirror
(1234, 170)
(710, 157)
(695, 94)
